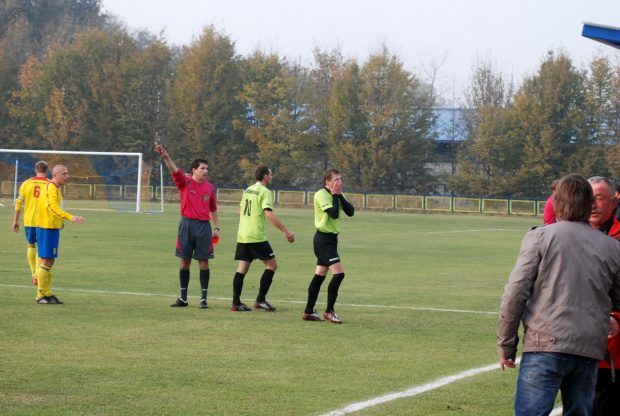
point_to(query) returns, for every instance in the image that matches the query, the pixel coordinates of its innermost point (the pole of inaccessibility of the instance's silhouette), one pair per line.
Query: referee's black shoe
(204, 304)
(179, 303)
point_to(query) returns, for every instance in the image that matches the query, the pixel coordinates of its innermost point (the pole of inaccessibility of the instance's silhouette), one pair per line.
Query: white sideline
(414, 391)
(413, 308)
(471, 231)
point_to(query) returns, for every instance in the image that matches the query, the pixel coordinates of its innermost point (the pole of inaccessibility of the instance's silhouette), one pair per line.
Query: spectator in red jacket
(549, 215)
(607, 393)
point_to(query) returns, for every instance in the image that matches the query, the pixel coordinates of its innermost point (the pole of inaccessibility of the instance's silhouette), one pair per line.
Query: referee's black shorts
(194, 240)
(326, 249)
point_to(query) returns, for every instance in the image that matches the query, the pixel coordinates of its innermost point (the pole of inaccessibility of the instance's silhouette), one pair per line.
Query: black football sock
(332, 291)
(184, 279)
(265, 284)
(313, 292)
(237, 287)
(204, 283)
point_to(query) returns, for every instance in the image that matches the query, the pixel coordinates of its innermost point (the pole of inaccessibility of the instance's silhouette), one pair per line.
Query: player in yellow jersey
(28, 197)
(49, 224)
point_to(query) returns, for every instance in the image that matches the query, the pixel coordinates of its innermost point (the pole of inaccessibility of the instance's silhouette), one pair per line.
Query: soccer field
(419, 303)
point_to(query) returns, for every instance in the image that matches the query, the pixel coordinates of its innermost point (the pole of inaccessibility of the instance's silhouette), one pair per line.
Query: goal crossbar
(74, 152)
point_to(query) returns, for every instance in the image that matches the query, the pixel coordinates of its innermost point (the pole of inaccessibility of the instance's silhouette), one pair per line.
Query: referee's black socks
(204, 283)
(184, 279)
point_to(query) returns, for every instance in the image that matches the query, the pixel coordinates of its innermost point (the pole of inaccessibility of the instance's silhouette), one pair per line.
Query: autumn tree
(203, 105)
(326, 70)
(28, 29)
(99, 93)
(543, 134)
(603, 111)
(382, 137)
(275, 93)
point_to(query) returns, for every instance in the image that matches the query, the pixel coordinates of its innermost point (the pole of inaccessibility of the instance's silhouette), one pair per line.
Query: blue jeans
(542, 374)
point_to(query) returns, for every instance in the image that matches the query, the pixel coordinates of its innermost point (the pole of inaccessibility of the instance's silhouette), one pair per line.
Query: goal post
(119, 181)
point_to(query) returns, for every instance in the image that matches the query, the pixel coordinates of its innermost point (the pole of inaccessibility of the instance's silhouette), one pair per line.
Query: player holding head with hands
(256, 206)
(195, 236)
(49, 224)
(28, 197)
(329, 202)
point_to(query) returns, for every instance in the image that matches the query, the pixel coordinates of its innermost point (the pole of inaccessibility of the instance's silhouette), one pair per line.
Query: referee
(328, 202)
(195, 238)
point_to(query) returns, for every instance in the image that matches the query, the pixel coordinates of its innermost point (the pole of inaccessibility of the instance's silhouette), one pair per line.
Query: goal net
(97, 180)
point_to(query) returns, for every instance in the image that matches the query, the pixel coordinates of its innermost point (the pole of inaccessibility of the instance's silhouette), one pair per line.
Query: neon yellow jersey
(50, 212)
(323, 200)
(29, 193)
(256, 199)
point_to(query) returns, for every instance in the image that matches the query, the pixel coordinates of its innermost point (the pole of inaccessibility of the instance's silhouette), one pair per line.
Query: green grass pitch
(419, 302)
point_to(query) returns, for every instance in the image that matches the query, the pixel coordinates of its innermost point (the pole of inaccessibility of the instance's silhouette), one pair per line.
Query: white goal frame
(69, 152)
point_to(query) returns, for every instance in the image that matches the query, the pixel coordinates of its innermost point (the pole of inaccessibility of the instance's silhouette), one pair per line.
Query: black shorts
(326, 249)
(194, 240)
(251, 251)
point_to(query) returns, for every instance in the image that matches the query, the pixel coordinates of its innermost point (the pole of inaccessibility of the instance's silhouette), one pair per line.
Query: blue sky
(515, 35)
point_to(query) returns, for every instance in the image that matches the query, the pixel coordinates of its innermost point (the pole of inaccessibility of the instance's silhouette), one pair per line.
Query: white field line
(414, 391)
(471, 231)
(556, 412)
(412, 308)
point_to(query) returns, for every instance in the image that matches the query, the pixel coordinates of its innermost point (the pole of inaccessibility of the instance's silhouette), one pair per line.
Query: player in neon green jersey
(328, 202)
(256, 206)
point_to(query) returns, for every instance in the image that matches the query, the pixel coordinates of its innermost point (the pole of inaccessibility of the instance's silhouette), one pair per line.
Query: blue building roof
(608, 35)
(449, 124)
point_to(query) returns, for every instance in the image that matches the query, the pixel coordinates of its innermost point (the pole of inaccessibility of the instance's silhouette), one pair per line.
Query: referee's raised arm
(164, 154)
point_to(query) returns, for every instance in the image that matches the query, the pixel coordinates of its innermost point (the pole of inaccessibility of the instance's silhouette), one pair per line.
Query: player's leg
(264, 252)
(33, 260)
(334, 284)
(48, 240)
(313, 293)
(242, 255)
(326, 251)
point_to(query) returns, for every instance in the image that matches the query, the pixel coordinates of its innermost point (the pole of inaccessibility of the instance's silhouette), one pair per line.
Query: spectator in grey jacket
(562, 288)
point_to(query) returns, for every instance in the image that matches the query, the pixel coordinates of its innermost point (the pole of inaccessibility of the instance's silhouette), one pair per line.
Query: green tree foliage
(327, 69)
(27, 29)
(603, 92)
(203, 106)
(548, 130)
(275, 95)
(99, 92)
(381, 136)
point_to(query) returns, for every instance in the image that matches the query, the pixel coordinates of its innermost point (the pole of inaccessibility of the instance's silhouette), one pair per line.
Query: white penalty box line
(353, 305)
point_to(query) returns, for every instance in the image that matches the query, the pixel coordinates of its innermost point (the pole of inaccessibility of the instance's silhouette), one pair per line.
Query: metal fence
(294, 197)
